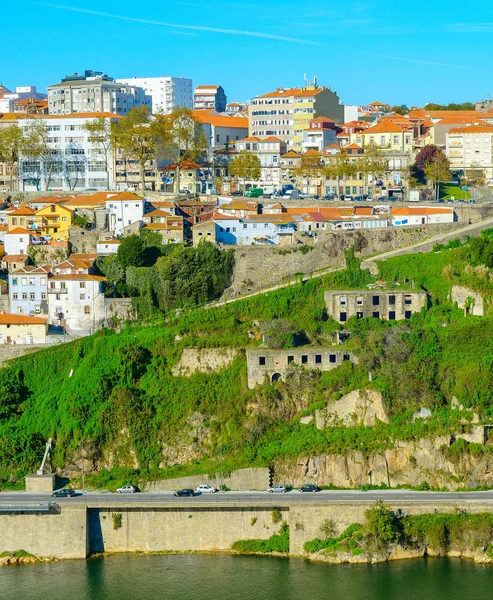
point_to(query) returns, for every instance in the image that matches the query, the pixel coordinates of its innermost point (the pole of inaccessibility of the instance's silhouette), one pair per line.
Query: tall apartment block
(166, 92)
(209, 97)
(286, 113)
(94, 92)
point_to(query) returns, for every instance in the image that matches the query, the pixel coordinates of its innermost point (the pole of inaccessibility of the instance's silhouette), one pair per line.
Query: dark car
(359, 198)
(185, 492)
(237, 193)
(310, 488)
(316, 197)
(65, 493)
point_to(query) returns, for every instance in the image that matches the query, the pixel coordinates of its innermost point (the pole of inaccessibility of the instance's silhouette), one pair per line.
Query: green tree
(245, 166)
(474, 175)
(44, 160)
(101, 136)
(132, 252)
(437, 171)
(135, 139)
(340, 167)
(310, 167)
(380, 528)
(12, 393)
(400, 110)
(374, 164)
(11, 145)
(181, 139)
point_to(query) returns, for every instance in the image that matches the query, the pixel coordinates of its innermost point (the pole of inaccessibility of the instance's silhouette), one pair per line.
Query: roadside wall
(242, 479)
(61, 535)
(190, 528)
(257, 267)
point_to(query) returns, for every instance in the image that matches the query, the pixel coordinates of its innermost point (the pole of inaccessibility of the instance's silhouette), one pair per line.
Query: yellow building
(387, 136)
(55, 221)
(21, 329)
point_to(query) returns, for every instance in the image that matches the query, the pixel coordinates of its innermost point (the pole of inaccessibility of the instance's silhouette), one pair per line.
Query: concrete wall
(40, 483)
(62, 534)
(118, 310)
(206, 360)
(75, 531)
(328, 252)
(469, 300)
(242, 479)
(190, 528)
(9, 352)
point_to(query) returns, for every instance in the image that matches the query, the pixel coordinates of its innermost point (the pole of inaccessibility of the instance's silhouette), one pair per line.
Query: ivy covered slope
(116, 394)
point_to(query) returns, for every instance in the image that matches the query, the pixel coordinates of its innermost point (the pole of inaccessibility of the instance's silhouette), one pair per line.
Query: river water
(222, 577)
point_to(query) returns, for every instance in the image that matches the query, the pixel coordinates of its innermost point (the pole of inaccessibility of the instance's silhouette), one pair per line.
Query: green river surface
(223, 577)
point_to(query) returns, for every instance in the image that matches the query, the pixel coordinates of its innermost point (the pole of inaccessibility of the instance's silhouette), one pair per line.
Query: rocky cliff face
(407, 464)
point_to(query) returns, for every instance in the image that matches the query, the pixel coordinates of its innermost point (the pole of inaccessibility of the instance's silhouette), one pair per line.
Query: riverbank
(396, 554)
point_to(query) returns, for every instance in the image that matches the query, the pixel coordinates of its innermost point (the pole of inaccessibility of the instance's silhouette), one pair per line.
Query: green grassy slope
(116, 394)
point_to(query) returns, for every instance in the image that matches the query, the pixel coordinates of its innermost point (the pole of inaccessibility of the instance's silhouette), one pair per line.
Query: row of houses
(248, 223)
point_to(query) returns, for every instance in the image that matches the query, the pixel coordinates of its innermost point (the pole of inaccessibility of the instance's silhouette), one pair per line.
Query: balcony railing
(57, 291)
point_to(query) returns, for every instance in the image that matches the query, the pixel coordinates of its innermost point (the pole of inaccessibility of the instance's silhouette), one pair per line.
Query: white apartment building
(17, 241)
(76, 300)
(28, 288)
(269, 151)
(165, 92)
(123, 210)
(22, 92)
(94, 92)
(471, 147)
(210, 97)
(75, 163)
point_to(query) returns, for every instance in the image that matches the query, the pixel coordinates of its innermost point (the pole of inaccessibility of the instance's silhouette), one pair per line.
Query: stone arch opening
(275, 377)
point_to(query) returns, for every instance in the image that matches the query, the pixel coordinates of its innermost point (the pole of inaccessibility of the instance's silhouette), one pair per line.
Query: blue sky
(407, 52)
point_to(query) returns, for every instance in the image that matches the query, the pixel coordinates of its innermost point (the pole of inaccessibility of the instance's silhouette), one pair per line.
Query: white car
(126, 489)
(277, 489)
(206, 489)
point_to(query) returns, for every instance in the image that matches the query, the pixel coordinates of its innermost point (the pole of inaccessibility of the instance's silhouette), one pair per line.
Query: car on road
(347, 198)
(310, 488)
(65, 493)
(277, 489)
(330, 196)
(185, 492)
(359, 198)
(184, 192)
(237, 193)
(206, 489)
(127, 489)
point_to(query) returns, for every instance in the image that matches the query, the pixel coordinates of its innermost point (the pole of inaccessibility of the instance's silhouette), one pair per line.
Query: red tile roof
(15, 319)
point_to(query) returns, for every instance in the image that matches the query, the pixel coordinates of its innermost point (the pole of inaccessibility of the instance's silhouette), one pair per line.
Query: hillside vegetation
(115, 394)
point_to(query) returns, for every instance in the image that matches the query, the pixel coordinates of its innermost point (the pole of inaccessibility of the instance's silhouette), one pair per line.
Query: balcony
(285, 230)
(57, 291)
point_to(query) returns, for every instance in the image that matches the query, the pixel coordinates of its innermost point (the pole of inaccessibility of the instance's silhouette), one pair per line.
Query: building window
(261, 361)
(391, 299)
(82, 284)
(87, 310)
(290, 359)
(359, 300)
(24, 296)
(82, 296)
(346, 357)
(392, 315)
(408, 299)
(15, 296)
(43, 295)
(342, 317)
(376, 315)
(343, 300)
(376, 300)
(32, 296)
(359, 315)
(318, 359)
(304, 359)
(407, 314)
(332, 358)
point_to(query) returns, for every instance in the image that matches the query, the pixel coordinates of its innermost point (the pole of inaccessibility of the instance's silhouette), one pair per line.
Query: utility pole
(221, 465)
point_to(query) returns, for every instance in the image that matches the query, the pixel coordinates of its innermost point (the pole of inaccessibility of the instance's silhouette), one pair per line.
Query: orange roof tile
(77, 277)
(20, 258)
(419, 210)
(23, 211)
(205, 116)
(473, 129)
(291, 154)
(18, 231)
(14, 319)
(383, 127)
(125, 196)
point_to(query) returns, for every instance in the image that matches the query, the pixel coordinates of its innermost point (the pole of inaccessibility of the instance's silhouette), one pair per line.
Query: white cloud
(420, 62)
(258, 34)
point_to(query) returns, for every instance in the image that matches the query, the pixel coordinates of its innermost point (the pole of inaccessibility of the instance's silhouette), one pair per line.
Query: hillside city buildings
(209, 97)
(165, 92)
(93, 91)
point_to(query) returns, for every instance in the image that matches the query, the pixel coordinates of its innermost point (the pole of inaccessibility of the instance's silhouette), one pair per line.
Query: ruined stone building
(275, 364)
(392, 305)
